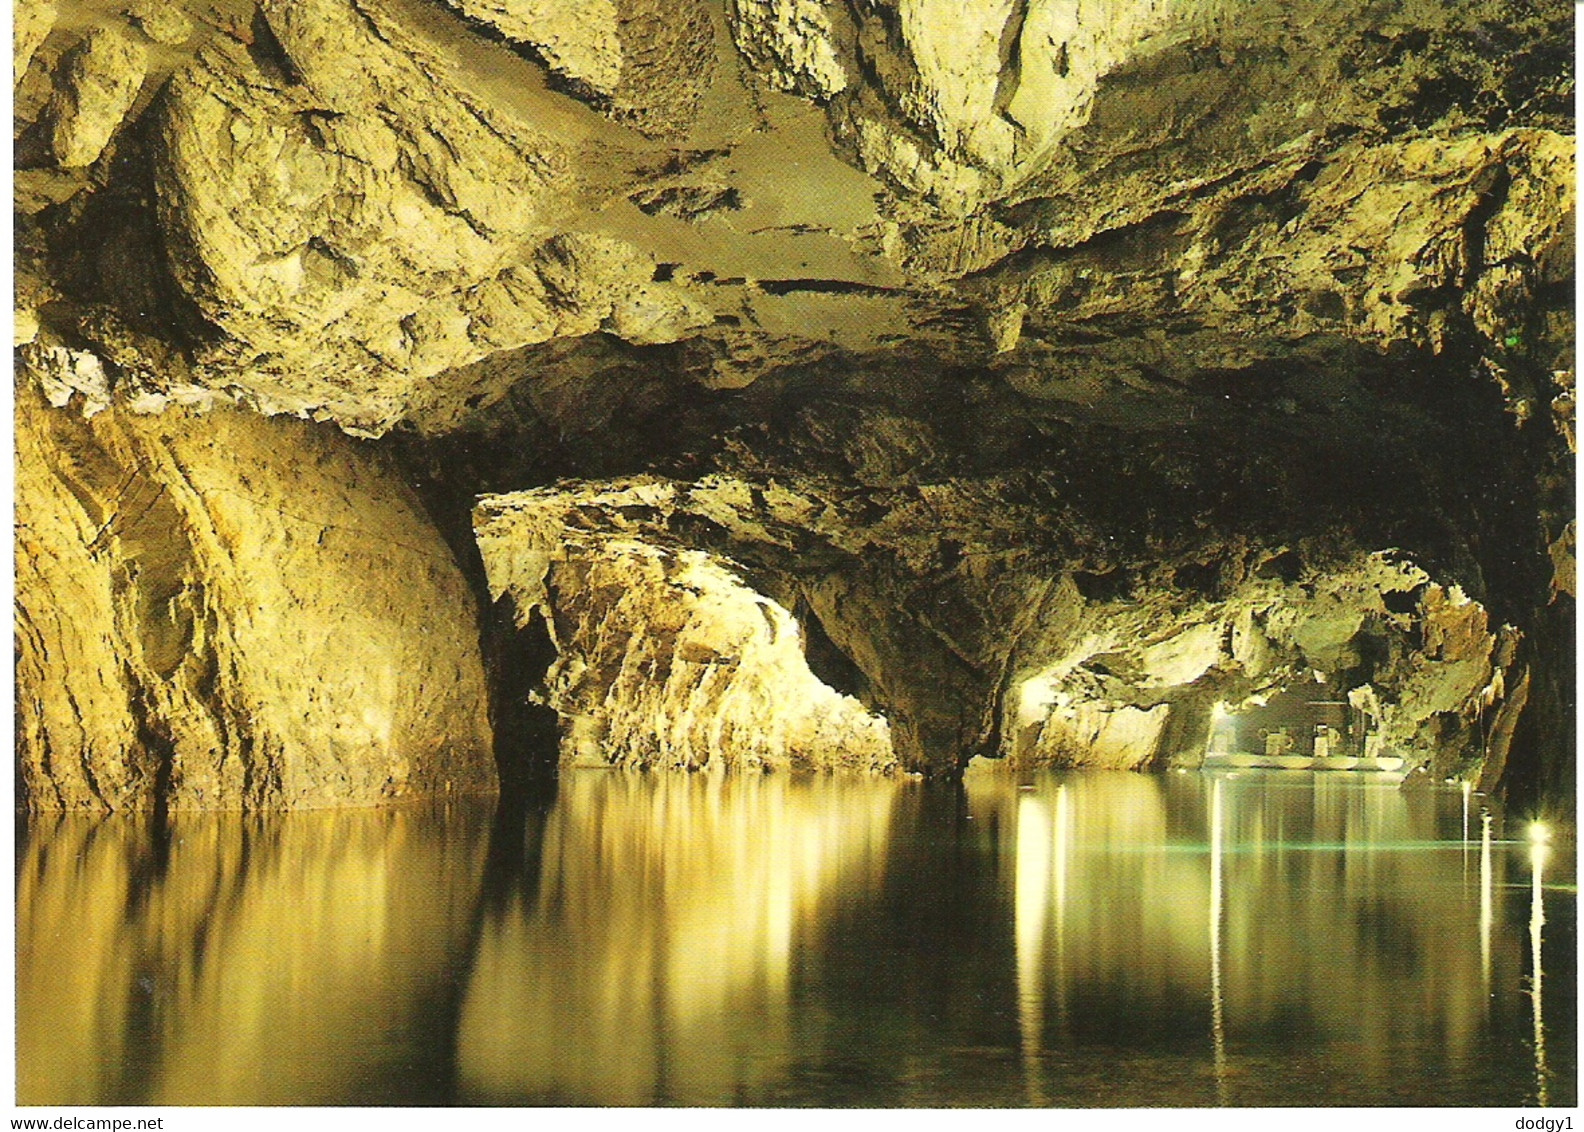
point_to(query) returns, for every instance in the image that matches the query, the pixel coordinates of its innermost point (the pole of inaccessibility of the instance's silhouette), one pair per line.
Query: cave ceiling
(1142, 296)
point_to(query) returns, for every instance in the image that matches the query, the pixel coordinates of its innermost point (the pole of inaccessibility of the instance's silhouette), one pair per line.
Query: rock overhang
(1200, 269)
(360, 202)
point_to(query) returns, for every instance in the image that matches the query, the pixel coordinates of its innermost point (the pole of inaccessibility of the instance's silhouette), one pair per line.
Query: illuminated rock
(219, 611)
(665, 657)
(103, 74)
(645, 63)
(1433, 668)
(1010, 315)
(1034, 669)
(31, 26)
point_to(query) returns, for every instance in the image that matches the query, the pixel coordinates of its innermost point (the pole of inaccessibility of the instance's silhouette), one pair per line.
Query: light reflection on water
(288, 959)
(1344, 942)
(1080, 939)
(652, 961)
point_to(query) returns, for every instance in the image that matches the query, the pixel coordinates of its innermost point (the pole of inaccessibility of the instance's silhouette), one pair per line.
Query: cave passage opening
(1314, 722)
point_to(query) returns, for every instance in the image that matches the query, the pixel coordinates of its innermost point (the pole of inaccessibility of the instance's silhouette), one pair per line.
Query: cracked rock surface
(221, 611)
(665, 657)
(954, 337)
(348, 205)
(1015, 661)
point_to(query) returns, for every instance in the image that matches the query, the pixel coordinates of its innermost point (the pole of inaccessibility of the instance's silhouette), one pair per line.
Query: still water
(1056, 939)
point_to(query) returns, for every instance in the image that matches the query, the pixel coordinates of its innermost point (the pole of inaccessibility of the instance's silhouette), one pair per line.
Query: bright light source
(1539, 833)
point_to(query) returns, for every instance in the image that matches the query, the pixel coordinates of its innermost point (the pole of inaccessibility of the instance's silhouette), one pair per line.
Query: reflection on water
(1061, 939)
(1539, 851)
(1487, 890)
(1217, 879)
(1340, 945)
(651, 961)
(270, 960)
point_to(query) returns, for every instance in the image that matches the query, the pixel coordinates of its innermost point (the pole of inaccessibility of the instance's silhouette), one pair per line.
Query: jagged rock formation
(645, 63)
(356, 222)
(1139, 682)
(1053, 183)
(103, 75)
(987, 305)
(1037, 670)
(665, 657)
(218, 611)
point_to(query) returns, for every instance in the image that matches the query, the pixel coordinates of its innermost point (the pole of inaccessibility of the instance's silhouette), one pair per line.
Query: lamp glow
(1539, 833)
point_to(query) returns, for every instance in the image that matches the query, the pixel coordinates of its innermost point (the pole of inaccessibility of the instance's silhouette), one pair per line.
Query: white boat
(1243, 760)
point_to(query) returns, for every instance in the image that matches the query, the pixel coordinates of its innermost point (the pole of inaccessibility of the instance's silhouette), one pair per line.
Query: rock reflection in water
(1067, 939)
(222, 959)
(1344, 940)
(651, 962)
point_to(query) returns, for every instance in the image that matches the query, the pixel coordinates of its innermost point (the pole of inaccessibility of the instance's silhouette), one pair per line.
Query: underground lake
(1079, 939)
(792, 554)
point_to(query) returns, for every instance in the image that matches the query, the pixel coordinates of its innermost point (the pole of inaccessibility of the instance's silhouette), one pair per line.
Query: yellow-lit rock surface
(217, 610)
(1038, 184)
(667, 658)
(103, 75)
(1105, 693)
(1021, 663)
(981, 300)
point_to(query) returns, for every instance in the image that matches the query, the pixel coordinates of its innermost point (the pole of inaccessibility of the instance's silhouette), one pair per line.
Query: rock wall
(990, 307)
(666, 658)
(1052, 191)
(220, 611)
(1135, 684)
(1022, 664)
(931, 696)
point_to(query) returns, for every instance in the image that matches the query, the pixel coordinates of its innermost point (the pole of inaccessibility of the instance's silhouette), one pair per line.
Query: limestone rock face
(645, 63)
(358, 224)
(357, 204)
(103, 75)
(962, 107)
(220, 611)
(1091, 734)
(1136, 682)
(163, 21)
(968, 333)
(666, 658)
(929, 672)
(965, 101)
(952, 102)
(807, 47)
(578, 42)
(1433, 214)
(1015, 661)
(31, 24)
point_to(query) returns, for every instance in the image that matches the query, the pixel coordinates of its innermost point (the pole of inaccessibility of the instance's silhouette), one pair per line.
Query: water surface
(1053, 939)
